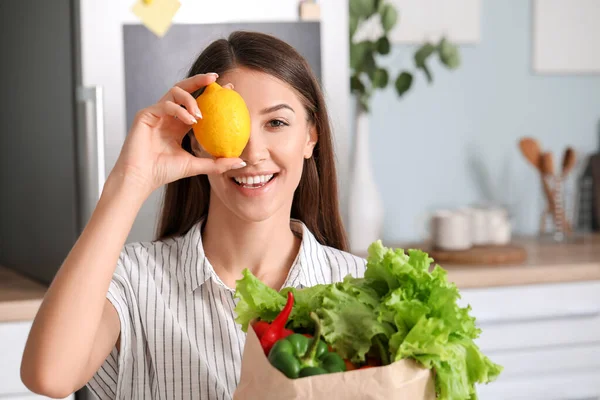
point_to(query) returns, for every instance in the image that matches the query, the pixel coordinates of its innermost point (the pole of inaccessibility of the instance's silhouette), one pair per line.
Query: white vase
(365, 207)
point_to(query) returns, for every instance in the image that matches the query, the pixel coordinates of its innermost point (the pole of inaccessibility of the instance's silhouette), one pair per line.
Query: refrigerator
(73, 74)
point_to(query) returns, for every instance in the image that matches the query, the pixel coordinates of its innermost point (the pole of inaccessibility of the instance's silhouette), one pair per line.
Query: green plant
(366, 74)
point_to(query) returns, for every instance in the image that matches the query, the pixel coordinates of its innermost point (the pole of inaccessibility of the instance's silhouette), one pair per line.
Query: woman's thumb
(202, 166)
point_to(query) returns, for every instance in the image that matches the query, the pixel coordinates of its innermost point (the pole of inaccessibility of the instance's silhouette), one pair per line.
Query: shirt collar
(308, 269)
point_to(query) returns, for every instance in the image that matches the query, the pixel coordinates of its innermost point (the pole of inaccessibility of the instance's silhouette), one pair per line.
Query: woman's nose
(256, 149)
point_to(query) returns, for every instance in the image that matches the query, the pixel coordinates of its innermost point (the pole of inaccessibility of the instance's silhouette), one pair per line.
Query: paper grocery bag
(404, 379)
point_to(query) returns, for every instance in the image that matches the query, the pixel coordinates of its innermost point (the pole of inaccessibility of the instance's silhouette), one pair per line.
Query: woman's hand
(152, 155)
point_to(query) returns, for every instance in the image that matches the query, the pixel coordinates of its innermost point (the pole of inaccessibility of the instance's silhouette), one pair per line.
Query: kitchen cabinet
(20, 299)
(545, 335)
(13, 336)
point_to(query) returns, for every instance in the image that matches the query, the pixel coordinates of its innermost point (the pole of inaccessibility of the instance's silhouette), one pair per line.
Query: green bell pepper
(297, 356)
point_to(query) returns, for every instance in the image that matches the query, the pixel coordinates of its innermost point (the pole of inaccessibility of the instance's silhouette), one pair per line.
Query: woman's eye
(276, 123)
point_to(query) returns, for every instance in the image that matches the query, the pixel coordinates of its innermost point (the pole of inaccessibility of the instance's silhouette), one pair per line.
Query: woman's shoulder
(346, 261)
(344, 255)
(138, 256)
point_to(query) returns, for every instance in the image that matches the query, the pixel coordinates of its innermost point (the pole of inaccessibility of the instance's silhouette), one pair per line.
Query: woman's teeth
(253, 181)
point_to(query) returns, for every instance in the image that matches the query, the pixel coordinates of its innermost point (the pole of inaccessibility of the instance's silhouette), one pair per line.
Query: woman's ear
(311, 142)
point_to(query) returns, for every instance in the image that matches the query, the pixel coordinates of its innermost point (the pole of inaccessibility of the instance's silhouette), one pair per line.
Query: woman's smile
(255, 184)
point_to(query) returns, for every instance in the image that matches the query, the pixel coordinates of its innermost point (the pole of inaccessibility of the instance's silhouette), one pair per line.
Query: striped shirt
(179, 339)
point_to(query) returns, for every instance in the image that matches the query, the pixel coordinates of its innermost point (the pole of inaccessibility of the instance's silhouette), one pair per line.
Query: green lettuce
(258, 300)
(402, 306)
(349, 320)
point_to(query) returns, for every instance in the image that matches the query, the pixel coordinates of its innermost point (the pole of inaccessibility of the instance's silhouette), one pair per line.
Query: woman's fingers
(168, 108)
(180, 96)
(203, 166)
(196, 82)
(181, 93)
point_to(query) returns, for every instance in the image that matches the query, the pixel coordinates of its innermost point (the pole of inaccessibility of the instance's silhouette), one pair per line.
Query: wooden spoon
(546, 170)
(568, 163)
(547, 164)
(531, 150)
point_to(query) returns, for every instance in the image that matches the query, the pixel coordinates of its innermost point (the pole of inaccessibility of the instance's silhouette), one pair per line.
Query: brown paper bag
(403, 379)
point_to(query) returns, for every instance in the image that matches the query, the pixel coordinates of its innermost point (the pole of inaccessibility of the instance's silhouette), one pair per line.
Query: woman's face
(280, 139)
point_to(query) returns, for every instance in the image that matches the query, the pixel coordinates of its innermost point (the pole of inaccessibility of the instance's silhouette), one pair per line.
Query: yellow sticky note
(156, 15)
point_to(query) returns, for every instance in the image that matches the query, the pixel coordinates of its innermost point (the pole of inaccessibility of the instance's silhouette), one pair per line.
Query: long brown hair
(315, 200)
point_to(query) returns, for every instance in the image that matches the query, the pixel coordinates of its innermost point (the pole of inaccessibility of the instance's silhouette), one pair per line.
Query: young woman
(155, 320)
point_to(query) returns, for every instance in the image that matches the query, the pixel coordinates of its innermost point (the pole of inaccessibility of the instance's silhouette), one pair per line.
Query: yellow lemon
(224, 129)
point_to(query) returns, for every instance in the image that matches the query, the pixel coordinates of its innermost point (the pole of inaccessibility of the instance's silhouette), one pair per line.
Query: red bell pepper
(350, 365)
(260, 327)
(267, 333)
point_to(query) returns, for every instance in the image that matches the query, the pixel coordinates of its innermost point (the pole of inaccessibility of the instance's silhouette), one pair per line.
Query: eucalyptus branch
(366, 74)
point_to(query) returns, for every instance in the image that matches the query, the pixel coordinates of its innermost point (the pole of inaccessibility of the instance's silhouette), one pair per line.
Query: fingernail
(198, 114)
(193, 120)
(240, 165)
(213, 73)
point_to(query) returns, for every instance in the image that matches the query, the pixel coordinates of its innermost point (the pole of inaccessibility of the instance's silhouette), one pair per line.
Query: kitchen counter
(546, 263)
(20, 297)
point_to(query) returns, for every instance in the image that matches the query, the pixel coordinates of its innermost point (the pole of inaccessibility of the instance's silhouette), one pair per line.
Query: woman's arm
(76, 326)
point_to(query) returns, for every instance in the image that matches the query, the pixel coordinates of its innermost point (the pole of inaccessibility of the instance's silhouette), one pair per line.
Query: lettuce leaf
(305, 300)
(430, 326)
(349, 320)
(257, 300)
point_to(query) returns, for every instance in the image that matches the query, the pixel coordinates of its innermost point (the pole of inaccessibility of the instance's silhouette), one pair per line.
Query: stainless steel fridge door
(38, 190)
(103, 64)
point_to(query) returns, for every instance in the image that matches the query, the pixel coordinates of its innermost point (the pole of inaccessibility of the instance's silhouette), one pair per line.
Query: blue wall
(455, 142)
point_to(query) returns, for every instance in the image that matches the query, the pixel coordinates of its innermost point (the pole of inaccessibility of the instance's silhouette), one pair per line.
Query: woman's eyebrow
(276, 108)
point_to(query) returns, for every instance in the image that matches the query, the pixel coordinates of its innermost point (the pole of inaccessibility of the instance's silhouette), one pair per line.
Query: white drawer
(581, 385)
(567, 359)
(13, 336)
(537, 316)
(539, 334)
(533, 302)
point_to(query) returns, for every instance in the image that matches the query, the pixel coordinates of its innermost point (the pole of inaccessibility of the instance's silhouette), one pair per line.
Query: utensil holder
(555, 213)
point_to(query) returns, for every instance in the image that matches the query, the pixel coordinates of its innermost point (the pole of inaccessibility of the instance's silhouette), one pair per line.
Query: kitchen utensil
(544, 163)
(556, 195)
(547, 163)
(554, 191)
(559, 209)
(568, 163)
(531, 150)
(547, 170)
